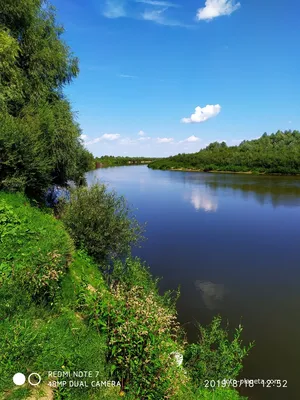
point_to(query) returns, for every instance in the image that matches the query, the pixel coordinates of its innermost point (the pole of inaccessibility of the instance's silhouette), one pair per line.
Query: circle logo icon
(34, 379)
(19, 379)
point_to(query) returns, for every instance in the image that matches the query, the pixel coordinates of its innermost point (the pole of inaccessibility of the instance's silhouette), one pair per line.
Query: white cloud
(158, 17)
(202, 114)
(158, 3)
(118, 9)
(164, 140)
(83, 137)
(111, 136)
(114, 9)
(192, 139)
(217, 8)
(93, 141)
(127, 141)
(105, 137)
(126, 76)
(142, 133)
(144, 138)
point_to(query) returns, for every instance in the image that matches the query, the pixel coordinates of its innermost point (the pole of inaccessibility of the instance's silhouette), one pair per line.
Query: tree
(35, 66)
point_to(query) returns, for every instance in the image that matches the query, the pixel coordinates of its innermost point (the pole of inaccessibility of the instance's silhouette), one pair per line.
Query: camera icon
(34, 379)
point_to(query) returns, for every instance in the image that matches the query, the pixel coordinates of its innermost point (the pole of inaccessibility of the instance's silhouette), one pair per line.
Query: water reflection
(275, 190)
(212, 293)
(201, 200)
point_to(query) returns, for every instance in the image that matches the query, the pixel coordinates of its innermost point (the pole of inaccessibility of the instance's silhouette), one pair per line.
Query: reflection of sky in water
(212, 293)
(202, 200)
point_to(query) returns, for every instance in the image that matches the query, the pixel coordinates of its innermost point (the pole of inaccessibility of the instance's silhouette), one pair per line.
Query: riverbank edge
(222, 172)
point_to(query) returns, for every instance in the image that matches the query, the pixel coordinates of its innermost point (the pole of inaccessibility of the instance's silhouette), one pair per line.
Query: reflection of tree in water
(277, 190)
(212, 293)
(264, 192)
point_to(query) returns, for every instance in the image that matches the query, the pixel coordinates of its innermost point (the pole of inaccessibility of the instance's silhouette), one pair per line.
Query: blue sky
(162, 77)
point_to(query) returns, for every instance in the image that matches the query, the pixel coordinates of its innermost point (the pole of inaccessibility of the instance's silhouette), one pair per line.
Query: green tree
(39, 136)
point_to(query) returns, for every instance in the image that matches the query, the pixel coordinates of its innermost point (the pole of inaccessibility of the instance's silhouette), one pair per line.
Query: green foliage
(142, 335)
(10, 89)
(215, 357)
(221, 393)
(44, 61)
(22, 155)
(99, 221)
(14, 184)
(24, 232)
(133, 272)
(39, 137)
(141, 326)
(277, 153)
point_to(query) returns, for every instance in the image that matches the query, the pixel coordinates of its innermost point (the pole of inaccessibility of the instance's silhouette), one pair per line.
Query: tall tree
(35, 66)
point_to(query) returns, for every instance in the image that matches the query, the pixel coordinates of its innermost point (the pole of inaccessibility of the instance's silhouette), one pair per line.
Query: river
(232, 243)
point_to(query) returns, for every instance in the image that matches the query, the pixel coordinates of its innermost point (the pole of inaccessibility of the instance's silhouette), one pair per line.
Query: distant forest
(277, 153)
(111, 161)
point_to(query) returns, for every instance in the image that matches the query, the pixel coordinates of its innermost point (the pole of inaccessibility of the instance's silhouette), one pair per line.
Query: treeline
(112, 161)
(39, 137)
(277, 153)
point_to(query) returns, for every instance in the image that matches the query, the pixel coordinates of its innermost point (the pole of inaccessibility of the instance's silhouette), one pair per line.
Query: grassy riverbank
(229, 172)
(59, 312)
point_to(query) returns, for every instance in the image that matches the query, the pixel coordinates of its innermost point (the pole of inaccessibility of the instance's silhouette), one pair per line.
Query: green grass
(35, 249)
(38, 334)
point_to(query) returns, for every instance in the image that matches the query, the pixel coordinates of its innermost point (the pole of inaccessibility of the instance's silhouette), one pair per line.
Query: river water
(232, 243)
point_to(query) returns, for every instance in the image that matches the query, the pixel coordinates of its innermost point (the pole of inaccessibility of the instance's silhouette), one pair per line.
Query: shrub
(132, 272)
(215, 357)
(142, 335)
(99, 221)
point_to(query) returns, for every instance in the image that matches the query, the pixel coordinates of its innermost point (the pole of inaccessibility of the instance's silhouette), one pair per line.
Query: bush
(100, 222)
(142, 335)
(132, 272)
(215, 357)
(35, 250)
